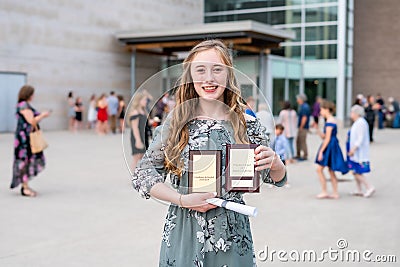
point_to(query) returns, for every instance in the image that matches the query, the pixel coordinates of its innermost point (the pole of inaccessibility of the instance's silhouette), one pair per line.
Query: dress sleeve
(358, 135)
(151, 169)
(257, 135)
(22, 105)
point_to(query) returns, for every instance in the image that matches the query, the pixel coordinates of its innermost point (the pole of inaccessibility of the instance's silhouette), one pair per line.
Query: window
(294, 89)
(298, 34)
(293, 2)
(327, 51)
(291, 16)
(287, 51)
(278, 95)
(321, 33)
(272, 18)
(224, 5)
(293, 51)
(325, 88)
(319, 1)
(321, 14)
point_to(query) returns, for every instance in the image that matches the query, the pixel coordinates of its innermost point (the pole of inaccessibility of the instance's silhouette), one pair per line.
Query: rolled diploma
(240, 208)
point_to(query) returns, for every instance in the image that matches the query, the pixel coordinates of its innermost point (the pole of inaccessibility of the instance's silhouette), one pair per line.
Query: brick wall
(377, 48)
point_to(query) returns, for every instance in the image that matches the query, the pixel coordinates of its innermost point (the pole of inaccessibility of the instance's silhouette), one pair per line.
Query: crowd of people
(292, 124)
(104, 113)
(388, 114)
(107, 113)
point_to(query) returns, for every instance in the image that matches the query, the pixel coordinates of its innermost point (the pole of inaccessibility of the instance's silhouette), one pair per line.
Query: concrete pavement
(87, 214)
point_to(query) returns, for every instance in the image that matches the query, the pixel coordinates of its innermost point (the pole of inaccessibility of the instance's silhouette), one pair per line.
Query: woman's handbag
(38, 144)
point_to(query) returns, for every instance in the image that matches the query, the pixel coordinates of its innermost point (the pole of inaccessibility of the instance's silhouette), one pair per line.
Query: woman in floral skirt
(209, 114)
(26, 164)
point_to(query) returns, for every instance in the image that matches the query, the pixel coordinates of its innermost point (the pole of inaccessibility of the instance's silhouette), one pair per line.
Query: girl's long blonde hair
(136, 102)
(187, 101)
(134, 106)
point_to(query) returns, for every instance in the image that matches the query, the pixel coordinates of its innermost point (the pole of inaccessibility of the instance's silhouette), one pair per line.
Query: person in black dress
(381, 110)
(121, 112)
(78, 113)
(138, 121)
(370, 116)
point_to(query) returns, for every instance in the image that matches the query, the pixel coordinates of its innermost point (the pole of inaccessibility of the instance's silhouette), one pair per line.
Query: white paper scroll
(240, 208)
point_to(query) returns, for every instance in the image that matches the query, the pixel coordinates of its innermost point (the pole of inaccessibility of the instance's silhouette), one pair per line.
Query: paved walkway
(87, 214)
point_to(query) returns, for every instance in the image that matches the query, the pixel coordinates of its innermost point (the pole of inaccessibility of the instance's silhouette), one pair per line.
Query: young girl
(138, 121)
(71, 111)
(121, 113)
(329, 154)
(92, 112)
(208, 115)
(288, 119)
(78, 113)
(281, 145)
(102, 115)
(358, 151)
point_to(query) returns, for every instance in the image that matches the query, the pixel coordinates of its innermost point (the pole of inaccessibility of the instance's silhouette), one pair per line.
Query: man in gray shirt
(113, 105)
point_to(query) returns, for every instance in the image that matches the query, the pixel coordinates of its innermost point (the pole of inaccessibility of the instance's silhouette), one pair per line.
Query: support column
(286, 94)
(302, 47)
(349, 100)
(168, 80)
(268, 81)
(265, 76)
(133, 71)
(341, 59)
(301, 87)
(261, 73)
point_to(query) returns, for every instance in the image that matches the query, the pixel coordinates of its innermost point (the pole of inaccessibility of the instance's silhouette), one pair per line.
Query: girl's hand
(320, 156)
(45, 114)
(197, 201)
(263, 157)
(351, 152)
(139, 145)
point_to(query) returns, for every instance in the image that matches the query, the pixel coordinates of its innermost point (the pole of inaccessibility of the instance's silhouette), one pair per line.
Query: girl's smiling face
(209, 75)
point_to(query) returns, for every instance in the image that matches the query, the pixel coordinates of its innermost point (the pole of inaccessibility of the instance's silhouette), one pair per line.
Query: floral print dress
(218, 237)
(26, 165)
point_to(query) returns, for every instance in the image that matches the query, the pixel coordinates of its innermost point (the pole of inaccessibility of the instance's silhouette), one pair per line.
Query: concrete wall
(67, 45)
(376, 48)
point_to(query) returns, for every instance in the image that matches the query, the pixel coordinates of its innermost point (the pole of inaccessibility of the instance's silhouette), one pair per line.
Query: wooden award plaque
(205, 171)
(241, 175)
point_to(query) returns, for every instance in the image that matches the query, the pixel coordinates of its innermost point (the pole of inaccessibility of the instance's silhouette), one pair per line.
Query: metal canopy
(248, 36)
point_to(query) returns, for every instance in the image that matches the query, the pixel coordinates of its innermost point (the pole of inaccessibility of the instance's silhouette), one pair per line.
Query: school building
(345, 47)
(332, 48)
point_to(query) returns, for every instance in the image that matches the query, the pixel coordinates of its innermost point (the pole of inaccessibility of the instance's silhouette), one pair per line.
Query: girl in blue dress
(329, 154)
